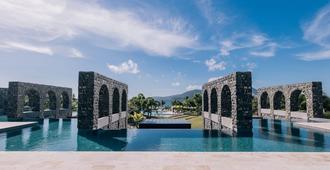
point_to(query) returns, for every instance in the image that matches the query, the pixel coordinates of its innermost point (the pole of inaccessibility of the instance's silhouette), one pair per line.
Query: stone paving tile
(164, 160)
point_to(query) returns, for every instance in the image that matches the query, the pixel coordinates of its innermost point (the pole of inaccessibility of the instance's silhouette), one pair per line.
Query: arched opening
(206, 101)
(115, 101)
(214, 101)
(225, 102)
(31, 101)
(279, 101)
(64, 100)
(264, 101)
(298, 101)
(103, 101)
(50, 101)
(123, 101)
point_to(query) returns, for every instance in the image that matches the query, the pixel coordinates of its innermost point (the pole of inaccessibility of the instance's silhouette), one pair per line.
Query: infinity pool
(268, 135)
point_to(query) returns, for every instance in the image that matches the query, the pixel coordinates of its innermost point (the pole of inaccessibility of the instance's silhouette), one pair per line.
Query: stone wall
(17, 92)
(233, 104)
(3, 100)
(311, 90)
(90, 84)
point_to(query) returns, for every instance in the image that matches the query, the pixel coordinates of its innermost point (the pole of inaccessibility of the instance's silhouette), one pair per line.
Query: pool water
(268, 135)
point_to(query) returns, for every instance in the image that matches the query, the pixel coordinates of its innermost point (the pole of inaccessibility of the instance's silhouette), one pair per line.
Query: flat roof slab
(165, 123)
(321, 126)
(7, 126)
(164, 160)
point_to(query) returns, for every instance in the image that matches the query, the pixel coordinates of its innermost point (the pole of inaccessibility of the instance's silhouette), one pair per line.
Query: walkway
(163, 160)
(5, 126)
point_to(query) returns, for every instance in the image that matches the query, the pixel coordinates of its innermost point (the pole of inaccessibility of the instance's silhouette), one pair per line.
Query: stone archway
(123, 101)
(226, 103)
(214, 101)
(232, 112)
(115, 101)
(50, 101)
(286, 100)
(279, 101)
(103, 101)
(31, 101)
(65, 100)
(264, 101)
(298, 101)
(206, 101)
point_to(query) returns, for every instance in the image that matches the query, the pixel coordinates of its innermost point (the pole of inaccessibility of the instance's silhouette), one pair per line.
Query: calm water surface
(268, 135)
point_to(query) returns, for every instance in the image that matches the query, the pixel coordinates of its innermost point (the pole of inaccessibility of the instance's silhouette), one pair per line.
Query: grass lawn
(327, 115)
(196, 121)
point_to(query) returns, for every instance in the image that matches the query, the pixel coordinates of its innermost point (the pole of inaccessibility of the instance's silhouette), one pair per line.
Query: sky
(167, 47)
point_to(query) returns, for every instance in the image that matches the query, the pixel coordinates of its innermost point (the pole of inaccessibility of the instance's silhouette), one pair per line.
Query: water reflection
(268, 135)
(285, 132)
(102, 140)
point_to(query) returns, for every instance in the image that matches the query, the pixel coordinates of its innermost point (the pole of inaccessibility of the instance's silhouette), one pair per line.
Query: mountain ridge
(180, 97)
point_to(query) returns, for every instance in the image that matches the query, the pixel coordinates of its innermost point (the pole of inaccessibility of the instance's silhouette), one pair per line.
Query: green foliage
(255, 105)
(74, 103)
(192, 104)
(142, 104)
(326, 103)
(137, 118)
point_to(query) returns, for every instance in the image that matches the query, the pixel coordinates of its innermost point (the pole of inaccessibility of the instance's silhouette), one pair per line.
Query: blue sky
(165, 47)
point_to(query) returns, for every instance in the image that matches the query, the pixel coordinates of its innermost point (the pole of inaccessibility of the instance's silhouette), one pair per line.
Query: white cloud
(175, 84)
(125, 67)
(250, 66)
(265, 51)
(262, 45)
(316, 55)
(213, 65)
(214, 78)
(193, 87)
(75, 53)
(26, 47)
(318, 30)
(63, 20)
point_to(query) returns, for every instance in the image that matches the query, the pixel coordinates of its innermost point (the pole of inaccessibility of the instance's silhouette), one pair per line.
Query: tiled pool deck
(6, 126)
(320, 126)
(164, 160)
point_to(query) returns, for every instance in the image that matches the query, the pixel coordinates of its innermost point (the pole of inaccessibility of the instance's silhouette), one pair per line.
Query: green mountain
(180, 97)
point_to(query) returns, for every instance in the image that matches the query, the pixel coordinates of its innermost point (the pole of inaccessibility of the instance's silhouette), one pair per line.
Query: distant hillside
(180, 97)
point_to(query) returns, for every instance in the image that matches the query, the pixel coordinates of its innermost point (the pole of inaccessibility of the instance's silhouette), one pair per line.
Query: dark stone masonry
(37, 101)
(102, 102)
(227, 104)
(3, 100)
(282, 102)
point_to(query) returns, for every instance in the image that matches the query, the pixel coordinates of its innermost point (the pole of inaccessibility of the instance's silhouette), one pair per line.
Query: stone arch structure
(312, 92)
(124, 100)
(234, 104)
(90, 85)
(38, 97)
(205, 101)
